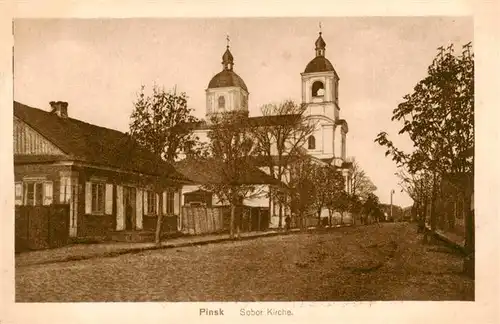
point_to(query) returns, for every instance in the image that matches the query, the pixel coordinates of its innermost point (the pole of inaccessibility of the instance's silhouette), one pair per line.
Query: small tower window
(222, 102)
(318, 89)
(311, 143)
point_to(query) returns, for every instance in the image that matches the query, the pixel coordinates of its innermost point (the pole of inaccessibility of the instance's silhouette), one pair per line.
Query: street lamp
(392, 192)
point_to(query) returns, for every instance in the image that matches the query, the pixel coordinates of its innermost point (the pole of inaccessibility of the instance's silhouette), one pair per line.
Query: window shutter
(176, 202)
(157, 210)
(145, 204)
(47, 193)
(139, 210)
(109, 199)
(88, 198)
(19, 193)
(62, 191)
(120, 217)
(164, 203)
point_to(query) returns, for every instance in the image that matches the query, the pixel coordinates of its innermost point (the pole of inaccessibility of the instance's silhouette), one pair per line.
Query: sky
(99, 65)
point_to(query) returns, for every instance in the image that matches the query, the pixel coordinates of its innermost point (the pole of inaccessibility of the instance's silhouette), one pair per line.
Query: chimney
(60, 108)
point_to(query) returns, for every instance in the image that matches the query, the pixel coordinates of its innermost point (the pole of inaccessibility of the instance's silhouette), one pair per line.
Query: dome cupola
(226, 91)
(320, 46)
(320, 63)
(227, 60)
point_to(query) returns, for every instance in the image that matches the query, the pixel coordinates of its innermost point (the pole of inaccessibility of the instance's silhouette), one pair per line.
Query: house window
(98, 195)
(19, 193)
(318, 89)
(151, 203)
(35, 193)
(170, 202)
(311, 143)
(222, 102)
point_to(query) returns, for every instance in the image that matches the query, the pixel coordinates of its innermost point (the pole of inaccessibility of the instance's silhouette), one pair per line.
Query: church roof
(210, 171)
(227, 78)
(258, 121)
(319, 64)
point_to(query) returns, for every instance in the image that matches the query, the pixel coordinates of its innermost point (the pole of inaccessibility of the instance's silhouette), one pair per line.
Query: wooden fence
(206, 220)
(41, 227)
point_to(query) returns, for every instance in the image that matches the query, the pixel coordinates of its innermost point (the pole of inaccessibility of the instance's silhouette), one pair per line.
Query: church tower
(320, 94)
(226, 92)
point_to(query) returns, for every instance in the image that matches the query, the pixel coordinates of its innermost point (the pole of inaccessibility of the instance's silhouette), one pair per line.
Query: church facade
(227, 92)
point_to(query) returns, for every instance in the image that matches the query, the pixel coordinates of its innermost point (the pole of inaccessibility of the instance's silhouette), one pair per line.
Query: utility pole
(392, 192)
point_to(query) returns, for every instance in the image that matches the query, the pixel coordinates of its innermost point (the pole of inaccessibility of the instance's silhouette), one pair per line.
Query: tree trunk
(433, 220)
(319, 217)
(280, 215)
(469, 266)
(231, 221)
(330, 217)
(159, 222)
(238, 222)
(424, 214)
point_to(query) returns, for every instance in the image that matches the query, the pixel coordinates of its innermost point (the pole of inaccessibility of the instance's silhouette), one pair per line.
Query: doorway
(129, 197)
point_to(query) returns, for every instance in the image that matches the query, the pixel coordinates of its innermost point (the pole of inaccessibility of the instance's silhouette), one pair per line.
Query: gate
(41, 227)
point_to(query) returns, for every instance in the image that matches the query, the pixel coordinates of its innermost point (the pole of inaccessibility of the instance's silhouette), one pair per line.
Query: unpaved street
(376, 262)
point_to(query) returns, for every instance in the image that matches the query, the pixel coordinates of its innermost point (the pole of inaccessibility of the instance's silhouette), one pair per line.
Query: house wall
(77, 177)
(29, 141)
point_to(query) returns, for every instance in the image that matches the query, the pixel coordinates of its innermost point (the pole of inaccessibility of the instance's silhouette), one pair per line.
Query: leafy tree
(332, 185)
(342, 204)
(281, 143)
(328, 187)
(154, 124)
(231, 146)
(355, 206)
(439, 118)
(372, 208)
(301, 186)
(157, 119)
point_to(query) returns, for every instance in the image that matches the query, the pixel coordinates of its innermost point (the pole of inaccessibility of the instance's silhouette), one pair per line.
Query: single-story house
(110, 182)
(203, 172)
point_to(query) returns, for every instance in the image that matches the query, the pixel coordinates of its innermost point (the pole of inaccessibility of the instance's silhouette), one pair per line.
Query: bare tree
(361, 184)
(280, 143)
(231, 147)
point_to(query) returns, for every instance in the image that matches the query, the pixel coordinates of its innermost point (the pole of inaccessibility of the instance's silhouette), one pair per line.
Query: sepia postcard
(226, 162)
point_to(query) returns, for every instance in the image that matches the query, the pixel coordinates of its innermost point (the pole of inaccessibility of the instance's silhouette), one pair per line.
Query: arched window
(222, 102)
(311, 143)
(318, 89)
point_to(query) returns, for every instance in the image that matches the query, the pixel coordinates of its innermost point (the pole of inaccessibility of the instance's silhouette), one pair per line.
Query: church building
(227, 92)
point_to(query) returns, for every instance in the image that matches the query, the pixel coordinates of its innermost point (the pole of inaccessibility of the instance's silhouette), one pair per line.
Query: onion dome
(320, 63)
(227, 77)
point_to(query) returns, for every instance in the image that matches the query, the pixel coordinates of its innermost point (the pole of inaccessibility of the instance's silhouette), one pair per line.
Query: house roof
(198, 192)
(263, 161)
(22, 158)
(89, 143)
(210, 171)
